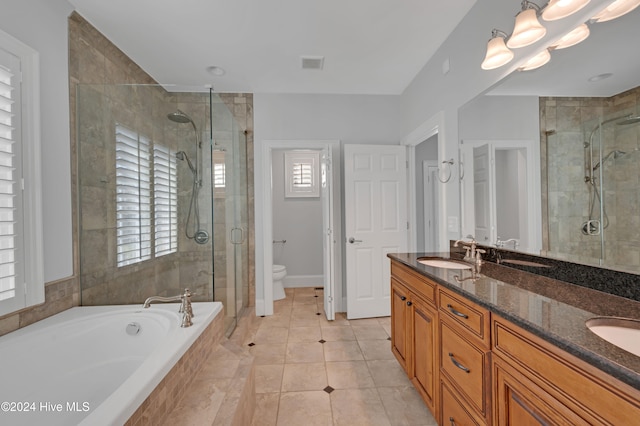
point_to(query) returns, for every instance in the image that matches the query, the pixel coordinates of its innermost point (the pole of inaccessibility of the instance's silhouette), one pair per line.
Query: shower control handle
(353, 240)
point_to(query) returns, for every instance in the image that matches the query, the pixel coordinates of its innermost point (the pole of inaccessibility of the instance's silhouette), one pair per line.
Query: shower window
(133, 197)
(219, 174)
(165, 200)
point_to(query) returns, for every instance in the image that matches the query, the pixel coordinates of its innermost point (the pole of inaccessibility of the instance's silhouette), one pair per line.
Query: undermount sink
(622, 332)
(444, 264)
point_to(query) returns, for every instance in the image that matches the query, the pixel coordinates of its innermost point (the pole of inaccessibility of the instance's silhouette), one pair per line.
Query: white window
(21, 258)
(301, 173)
(133, 197)
(219, 174)
(165, 200)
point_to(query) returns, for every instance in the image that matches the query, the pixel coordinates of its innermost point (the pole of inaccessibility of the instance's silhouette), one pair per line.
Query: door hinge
(407, 225)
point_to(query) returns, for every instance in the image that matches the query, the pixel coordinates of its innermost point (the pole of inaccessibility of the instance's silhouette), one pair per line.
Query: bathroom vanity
(508, 347)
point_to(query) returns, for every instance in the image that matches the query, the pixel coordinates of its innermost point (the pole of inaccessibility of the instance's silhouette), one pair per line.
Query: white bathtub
(87, 365)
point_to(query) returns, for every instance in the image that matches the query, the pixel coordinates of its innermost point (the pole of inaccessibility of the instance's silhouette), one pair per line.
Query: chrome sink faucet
(473, 254)
(185, 305)
(501, 243)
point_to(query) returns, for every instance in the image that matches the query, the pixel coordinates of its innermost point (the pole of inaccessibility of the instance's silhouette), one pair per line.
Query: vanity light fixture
(498, 54)
(527, 29)
(537, 61)
(575, 36)
(616, 9)
(558, 9)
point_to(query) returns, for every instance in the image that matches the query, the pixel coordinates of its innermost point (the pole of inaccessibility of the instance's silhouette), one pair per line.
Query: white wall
(297, 220)
(42, 25)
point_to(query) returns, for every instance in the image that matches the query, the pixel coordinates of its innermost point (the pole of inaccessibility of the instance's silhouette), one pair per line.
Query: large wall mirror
(579, 118)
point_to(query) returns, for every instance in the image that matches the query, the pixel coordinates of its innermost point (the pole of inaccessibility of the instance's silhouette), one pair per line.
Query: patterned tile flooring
(310, 371)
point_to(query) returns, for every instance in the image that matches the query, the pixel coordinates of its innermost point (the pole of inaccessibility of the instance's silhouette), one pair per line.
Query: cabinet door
(423, 318)
(519, 402)
(400, 323)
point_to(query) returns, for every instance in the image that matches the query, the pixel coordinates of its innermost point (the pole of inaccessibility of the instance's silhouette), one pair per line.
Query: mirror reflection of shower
(598, 221)
(200, 236)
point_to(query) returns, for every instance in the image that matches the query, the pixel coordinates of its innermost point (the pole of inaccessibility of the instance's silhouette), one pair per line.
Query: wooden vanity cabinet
(413, 331)
(465, 357)
(536, 383)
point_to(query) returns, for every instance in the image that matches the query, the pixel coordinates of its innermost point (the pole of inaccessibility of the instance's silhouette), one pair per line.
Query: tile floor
(310, 371)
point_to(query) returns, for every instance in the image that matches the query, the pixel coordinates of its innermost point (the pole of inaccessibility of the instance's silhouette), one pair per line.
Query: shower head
(615, 154)
(179, 117)
(182, 156)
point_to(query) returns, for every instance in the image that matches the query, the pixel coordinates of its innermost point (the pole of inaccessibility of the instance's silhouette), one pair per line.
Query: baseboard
(303, 281)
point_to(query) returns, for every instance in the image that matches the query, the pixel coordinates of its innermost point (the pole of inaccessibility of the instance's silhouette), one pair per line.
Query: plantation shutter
(133, 197)
(165, 198)
(12, 289)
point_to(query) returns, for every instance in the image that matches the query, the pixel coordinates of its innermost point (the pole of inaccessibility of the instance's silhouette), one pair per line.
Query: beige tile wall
(563, 173)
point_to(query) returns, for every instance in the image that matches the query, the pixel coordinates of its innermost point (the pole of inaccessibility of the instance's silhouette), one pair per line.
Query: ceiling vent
(312, 62)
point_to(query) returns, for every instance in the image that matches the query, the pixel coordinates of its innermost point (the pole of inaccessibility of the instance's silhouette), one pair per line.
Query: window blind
(165, 200)
(302, 175)
(133, 197)
(219, 173)
(9, 177)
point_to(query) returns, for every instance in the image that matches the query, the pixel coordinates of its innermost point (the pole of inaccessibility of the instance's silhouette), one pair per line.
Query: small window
(133, 197)
(301, 173)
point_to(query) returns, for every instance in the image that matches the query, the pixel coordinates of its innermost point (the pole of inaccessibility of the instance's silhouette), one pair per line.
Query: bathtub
(92, 365)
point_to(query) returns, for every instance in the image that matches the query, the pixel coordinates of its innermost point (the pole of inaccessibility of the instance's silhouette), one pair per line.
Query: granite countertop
(551, 309)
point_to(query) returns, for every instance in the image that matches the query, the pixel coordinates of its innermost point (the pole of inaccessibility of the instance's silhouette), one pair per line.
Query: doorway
(328, 225)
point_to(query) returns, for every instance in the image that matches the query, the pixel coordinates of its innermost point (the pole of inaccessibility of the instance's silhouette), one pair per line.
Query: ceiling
(369, 46)
(610, 48)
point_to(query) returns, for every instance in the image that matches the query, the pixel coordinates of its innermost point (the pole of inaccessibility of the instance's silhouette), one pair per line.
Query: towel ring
(445, 169)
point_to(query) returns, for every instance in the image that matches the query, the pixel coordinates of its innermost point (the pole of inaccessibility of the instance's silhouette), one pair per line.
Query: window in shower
(21, 259)
(219, 174)
(165, 200)
(133, 197)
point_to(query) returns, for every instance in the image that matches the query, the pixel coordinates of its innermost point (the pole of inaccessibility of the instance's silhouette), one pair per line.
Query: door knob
(353, 240)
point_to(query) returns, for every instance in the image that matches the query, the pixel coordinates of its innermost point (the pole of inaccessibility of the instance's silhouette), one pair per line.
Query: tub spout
(185, 305)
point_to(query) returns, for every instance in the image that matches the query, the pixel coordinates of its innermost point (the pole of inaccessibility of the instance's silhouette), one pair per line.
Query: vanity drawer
(465, 365)
(416, 282)
(470, 316)
(453, 410)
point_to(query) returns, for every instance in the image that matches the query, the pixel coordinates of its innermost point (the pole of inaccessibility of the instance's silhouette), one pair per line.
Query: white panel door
(482, 194)
(375, 224)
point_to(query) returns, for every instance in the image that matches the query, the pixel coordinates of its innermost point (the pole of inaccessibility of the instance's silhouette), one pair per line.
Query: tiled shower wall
(97, 62)
(566, 125)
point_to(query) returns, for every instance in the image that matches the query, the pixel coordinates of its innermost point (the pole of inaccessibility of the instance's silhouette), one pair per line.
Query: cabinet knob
(403, 298)
(409, 303)
(453, 422)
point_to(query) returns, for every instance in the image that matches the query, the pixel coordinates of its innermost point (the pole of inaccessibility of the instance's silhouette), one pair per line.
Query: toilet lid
(278, 268)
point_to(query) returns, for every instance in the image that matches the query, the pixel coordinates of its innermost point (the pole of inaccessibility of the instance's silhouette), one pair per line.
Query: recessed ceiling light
(215, 70)
(600, 77)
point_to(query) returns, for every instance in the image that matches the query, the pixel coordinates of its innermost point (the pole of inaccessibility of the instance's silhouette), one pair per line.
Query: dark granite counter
(552, 309)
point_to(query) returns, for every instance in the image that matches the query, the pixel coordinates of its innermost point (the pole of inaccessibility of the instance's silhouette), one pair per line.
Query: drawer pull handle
(457, 364)
(403, 298)
(457, 313)
(453, 423)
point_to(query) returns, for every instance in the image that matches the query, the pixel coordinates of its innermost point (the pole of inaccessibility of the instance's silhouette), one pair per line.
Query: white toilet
(279, 272)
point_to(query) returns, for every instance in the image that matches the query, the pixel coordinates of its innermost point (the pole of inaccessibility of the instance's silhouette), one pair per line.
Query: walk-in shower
(198, 235)
(178, 188)
(597, 219)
